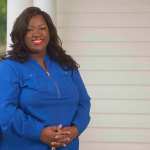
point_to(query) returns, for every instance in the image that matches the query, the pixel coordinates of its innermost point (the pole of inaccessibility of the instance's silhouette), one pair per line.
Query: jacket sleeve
(11, 116)
(82, 117)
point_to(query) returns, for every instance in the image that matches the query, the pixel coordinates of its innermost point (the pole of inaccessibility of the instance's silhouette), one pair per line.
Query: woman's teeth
(37, 41)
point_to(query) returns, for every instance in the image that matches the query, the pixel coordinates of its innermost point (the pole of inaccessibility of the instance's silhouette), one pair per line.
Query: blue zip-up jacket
(31, 100)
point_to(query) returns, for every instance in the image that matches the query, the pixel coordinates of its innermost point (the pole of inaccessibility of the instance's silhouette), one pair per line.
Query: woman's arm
(11, 116)
(82, 117)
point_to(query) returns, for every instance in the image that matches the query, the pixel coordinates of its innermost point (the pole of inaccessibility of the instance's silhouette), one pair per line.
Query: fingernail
(60, 126)
(56, 136)
(68, 132)
(52, 143)
(53, 148)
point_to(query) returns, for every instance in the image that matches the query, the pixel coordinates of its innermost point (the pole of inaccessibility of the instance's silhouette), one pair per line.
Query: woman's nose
(36, 33)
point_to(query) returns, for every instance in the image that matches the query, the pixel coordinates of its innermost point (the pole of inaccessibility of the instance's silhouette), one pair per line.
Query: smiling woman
(43, 101)
(3, 9)
(37, 36)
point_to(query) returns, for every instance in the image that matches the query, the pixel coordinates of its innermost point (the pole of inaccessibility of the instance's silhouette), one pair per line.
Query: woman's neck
(39, 57)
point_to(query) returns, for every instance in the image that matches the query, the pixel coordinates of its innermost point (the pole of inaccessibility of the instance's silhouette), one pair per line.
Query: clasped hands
(58, 136)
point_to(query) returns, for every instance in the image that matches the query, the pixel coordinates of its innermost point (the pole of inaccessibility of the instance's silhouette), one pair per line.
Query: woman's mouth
(37, 42)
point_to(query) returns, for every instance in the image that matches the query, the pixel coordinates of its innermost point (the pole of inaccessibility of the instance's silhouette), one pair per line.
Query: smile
(37, 42)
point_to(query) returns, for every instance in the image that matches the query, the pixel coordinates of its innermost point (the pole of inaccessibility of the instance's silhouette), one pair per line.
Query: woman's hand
(64, 136)
(61, 139)
(48, 134)
(73, 132)
(54, 136)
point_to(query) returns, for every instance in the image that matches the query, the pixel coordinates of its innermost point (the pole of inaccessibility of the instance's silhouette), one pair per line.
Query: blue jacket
(31, 100)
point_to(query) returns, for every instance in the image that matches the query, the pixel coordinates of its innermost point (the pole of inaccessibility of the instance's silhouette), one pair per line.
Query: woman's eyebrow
(32, 26)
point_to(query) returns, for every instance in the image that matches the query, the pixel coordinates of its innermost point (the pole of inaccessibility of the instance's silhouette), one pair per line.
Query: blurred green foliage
(3, 23)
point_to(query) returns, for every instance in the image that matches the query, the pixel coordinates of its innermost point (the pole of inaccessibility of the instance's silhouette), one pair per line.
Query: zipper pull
(48, 74)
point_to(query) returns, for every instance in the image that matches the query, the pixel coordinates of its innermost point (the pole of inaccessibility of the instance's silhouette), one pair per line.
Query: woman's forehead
(37, 20)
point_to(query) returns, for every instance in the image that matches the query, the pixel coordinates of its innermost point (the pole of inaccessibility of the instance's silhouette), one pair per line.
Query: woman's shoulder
(9, 62)
(9, 65)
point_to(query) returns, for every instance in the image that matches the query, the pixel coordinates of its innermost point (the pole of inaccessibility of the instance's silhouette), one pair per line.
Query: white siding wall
(111, 41)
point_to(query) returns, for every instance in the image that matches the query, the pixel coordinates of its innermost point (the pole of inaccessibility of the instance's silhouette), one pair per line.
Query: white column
(14, 8)
(47, 5)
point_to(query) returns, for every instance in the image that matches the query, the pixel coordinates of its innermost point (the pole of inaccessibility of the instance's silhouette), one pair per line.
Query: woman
(43, 100)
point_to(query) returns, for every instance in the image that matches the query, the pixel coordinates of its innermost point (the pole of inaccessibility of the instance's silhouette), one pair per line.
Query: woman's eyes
(31, 30)
(43, 28)
(28, 30)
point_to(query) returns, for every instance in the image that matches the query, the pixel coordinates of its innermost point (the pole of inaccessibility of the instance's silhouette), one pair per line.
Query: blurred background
(3, 22)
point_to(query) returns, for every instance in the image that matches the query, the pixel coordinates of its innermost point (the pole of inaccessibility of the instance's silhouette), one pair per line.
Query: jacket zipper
(48, 74)
(55, 83)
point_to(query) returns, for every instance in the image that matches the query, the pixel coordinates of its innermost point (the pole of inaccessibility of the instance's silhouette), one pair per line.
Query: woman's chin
(36, 51)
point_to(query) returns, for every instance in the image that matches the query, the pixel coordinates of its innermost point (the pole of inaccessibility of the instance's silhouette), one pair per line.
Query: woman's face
(37, 35)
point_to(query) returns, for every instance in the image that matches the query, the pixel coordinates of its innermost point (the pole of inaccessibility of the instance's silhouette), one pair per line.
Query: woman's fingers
(57, 144)
(59, 136)
(59, 141)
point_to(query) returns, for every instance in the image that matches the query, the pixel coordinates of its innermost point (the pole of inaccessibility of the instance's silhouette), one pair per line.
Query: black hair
(55, 51)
